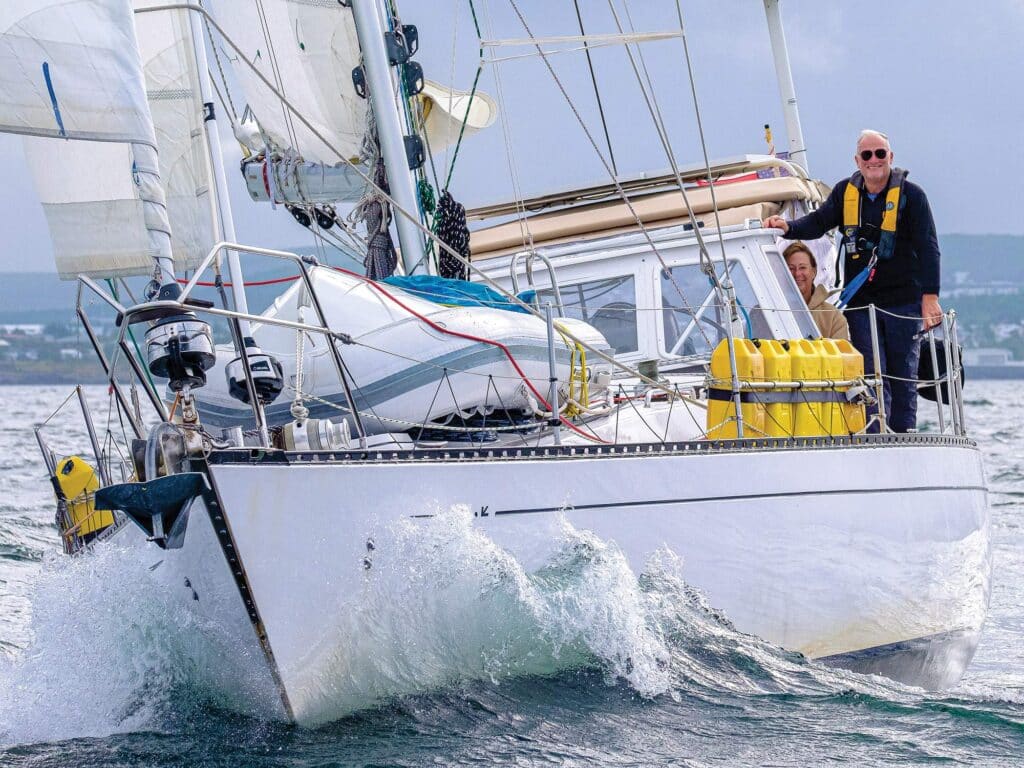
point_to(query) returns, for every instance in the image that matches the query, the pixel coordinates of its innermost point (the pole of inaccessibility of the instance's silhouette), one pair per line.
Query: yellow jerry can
(854, 418)
(778, 420)
(831, 369)
(806, 361)
(721, 405)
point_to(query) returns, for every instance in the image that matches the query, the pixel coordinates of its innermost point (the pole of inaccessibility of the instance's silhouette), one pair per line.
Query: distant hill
(985, 257)
(39, 297)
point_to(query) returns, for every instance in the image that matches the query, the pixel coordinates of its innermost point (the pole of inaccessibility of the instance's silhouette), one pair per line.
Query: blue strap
(855, 285)
(53, 98)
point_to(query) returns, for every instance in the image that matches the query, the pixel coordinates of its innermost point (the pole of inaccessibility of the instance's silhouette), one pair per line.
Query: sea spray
(112, 650)
(440, 604)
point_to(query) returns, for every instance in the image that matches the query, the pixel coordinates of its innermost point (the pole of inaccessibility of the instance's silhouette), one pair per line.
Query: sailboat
(601, 370)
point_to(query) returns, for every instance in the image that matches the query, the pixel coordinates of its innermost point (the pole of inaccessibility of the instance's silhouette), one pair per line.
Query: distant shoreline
(31, 380)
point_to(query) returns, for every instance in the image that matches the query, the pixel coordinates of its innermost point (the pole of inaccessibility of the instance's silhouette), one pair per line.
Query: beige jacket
(830, 321)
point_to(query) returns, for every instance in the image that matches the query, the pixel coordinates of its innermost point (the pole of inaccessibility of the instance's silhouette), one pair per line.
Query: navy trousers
(898, 351)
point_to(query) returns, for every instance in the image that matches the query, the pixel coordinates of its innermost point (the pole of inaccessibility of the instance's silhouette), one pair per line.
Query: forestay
(172, 89)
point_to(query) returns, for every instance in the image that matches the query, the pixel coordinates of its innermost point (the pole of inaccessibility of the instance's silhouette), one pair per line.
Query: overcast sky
(943, 78)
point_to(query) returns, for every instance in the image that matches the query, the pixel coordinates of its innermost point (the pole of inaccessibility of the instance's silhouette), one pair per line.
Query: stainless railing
(949, 408)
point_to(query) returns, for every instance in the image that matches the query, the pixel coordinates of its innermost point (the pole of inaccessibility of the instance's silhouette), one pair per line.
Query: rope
(453, 230)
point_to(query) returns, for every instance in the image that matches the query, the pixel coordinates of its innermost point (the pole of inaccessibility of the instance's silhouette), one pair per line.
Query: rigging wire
(659, 125)
(700, 130)
(472, 95)
(615, 181)
(451, 71)
(228, 103)
(278, 80)
(414, 220)
(526, 234)
(597, 91)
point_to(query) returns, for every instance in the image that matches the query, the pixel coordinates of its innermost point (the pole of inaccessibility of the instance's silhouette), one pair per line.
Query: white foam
(442, 604)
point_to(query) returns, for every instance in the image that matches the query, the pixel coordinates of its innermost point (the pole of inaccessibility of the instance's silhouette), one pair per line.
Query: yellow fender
(78, 483)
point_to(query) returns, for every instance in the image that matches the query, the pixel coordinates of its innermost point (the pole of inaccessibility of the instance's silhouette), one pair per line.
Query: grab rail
(514, 263)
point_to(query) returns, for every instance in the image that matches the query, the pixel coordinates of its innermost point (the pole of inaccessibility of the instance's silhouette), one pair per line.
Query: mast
(797, 151)
(222, 201)
(389, 129)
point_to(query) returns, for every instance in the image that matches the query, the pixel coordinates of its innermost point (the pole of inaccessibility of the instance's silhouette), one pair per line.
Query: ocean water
(585, 663)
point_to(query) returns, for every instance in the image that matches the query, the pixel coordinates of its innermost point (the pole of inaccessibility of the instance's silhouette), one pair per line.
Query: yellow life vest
(894, 202)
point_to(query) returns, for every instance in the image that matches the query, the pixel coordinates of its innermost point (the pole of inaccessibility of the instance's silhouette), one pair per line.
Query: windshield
(609, 305)
(694, 321)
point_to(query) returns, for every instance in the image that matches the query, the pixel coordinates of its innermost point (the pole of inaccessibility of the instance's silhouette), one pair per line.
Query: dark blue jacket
(914, 267)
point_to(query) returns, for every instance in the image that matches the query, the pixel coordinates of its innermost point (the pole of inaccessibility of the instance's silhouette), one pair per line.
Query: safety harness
(854, 243)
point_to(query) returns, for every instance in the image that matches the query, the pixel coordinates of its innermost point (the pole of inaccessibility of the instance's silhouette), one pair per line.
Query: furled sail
(308, 50)
(172, 89)
(71, 81)
(298, 181)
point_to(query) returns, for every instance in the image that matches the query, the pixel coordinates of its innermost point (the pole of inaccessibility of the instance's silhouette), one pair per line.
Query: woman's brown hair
(796, 247)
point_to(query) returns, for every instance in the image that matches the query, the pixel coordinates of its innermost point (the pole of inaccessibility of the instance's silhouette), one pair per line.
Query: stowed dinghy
(411, 361)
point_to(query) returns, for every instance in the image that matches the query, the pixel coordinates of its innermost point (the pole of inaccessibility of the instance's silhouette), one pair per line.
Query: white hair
(868, 133)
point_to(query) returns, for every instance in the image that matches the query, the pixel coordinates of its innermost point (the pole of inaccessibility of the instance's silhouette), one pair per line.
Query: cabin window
(609, 305)
(693, 319)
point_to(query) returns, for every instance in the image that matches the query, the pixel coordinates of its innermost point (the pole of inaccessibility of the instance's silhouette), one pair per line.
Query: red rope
(247, 284)
(480, 339)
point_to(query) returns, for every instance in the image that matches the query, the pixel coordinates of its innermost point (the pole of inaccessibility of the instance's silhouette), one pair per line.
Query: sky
(942, 78)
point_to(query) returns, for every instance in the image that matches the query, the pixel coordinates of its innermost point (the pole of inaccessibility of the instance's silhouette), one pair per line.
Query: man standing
(891, 261)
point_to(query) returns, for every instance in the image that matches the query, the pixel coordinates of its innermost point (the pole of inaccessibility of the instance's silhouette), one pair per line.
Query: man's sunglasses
(881, 154)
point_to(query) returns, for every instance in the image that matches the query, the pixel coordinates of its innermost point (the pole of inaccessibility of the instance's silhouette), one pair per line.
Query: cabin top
(750, 187)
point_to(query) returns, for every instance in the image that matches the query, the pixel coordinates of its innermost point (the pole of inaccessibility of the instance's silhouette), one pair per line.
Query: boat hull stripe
(741, 497)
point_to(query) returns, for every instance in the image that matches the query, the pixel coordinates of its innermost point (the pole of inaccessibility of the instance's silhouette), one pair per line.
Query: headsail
(71, 71)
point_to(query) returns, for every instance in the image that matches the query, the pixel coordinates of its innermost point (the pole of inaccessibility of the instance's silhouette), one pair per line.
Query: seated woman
(804, 268)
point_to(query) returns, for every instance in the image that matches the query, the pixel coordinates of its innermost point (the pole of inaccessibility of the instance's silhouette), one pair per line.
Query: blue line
(53, 98)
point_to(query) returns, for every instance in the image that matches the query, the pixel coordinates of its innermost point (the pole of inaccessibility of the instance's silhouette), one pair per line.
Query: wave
(443, 606)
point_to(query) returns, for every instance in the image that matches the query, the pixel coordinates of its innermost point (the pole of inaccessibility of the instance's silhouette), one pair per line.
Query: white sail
(308, 49)
(292, 181)
(71, 70)
(175, 102)
(92, 196)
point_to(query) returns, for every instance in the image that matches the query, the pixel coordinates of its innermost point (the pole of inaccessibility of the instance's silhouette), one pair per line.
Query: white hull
(871, 554)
